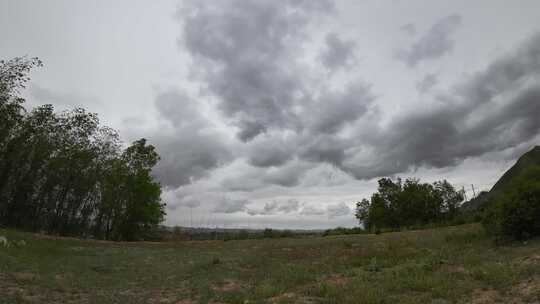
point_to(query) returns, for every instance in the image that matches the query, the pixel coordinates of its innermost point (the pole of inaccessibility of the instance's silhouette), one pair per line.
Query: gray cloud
(188, 201)
(427, 83)
(192, 148)
(267, 151)
(434, 43)
(408, 28)
(277, 206)
(311, 210)
(328, 149)
(494, 110)
(246, 53)
(337, 210)
(338, 53)
(335, 109)
(253, 178)
(227, 205)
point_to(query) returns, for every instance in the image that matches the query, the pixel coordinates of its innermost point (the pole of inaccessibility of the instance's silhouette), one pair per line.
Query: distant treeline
(409, 204)
(204, 234)
(64, 173)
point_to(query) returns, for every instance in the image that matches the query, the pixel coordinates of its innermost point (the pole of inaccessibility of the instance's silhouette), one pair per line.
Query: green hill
(525, 162)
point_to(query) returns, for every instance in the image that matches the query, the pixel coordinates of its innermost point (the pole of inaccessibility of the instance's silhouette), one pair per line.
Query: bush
(344, 231)
(516, 215)
(399, 204)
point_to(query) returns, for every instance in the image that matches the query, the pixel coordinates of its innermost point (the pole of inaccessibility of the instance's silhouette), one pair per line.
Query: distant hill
(527, 160)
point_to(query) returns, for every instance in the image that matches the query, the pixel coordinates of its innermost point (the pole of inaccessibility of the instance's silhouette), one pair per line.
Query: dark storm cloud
(335, 109)
(192, 148)
(328, 149)
(436, 42)
(249, 179)
(246, 52)
(269, 152)
(427, 83)
(338, 53)
(495, 110)
(247, 55)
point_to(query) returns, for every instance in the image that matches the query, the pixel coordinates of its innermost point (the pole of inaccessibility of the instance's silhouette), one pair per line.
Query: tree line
(64, 173)
(401, 204)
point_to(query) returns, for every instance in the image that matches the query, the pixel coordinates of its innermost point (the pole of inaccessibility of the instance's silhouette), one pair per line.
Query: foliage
(272, 233)
(64, 173)
(344, 231)
(399, 204)
(475, 208)
(515, 215)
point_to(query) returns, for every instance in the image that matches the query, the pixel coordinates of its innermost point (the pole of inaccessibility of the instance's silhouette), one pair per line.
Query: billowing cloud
(436, 42)
(427, 83)
(192, 147)
(265, 101)
(248, 178)
(339, 53)
(494, 110)
(277, 207)
(246, 53)
(227, 205)
(333, 109)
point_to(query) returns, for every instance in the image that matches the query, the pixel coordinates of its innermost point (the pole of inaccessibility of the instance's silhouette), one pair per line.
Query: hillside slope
(526, 161)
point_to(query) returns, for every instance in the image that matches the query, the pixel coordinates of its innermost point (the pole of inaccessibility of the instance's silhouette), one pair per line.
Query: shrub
(516, 214)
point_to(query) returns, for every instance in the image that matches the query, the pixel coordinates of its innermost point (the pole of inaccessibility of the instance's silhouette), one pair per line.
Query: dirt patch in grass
(530, 289)
(170, 296)
(337, 280)
(281, 297)
(291, 297)
(228, 286)
(185, 302)
(23, 277)
(530, 260)
(486, 296)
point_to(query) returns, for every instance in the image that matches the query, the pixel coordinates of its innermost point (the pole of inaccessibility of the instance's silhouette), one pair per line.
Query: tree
(408, 203)
(66, 174)
(515, 215)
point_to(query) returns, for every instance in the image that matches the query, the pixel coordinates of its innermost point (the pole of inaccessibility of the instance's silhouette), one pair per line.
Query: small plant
(373, 266)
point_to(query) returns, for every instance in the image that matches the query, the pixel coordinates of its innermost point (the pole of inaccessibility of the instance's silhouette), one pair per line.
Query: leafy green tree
(408, 203)
(66, 174)
(516, 214)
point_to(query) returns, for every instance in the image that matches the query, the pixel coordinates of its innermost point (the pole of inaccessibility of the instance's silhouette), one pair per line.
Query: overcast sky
(284, 113)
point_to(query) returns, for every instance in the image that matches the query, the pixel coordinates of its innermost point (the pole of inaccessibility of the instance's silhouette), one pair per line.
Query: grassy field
(448, 265)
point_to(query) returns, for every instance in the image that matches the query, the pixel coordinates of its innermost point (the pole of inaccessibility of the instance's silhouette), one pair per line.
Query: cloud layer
(290, 116)
(433, 44)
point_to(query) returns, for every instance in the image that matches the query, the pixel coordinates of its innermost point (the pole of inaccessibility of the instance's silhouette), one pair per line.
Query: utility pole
(464, 192)
(473, 191)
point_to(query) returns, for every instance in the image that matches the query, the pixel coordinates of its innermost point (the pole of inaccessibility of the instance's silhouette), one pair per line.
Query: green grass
(446, 265)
